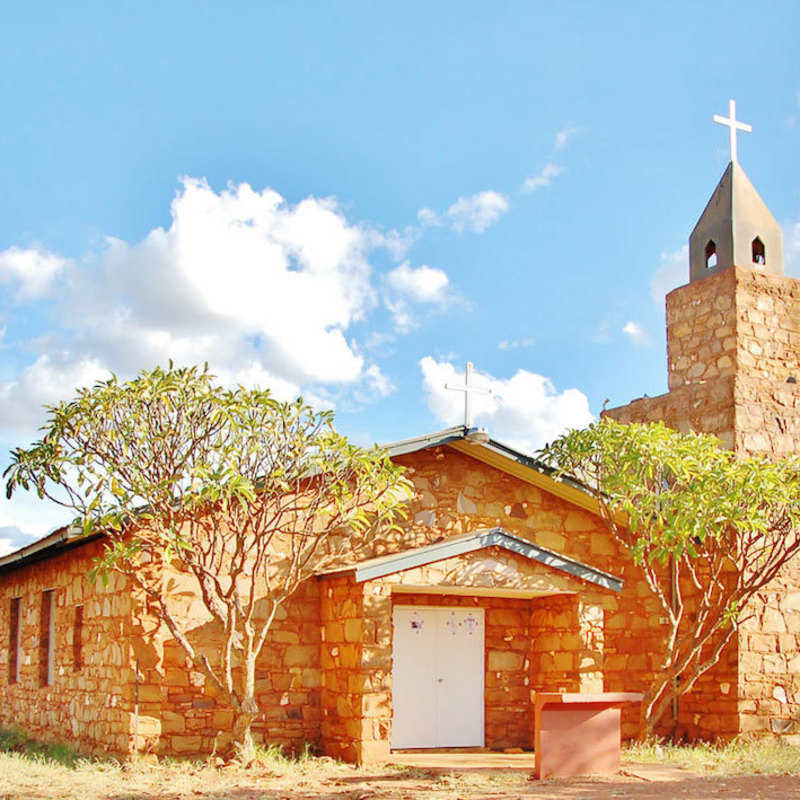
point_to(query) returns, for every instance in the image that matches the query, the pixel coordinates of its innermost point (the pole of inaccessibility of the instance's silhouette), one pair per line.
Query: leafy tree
(707, 529)
(249, 495)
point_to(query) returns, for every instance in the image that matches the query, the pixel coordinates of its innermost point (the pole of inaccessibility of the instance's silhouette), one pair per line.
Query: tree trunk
(644, 718)
(242, 744)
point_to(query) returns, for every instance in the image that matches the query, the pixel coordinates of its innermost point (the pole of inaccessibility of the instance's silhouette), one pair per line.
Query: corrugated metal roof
(460, 434)
(61, 539)
(372, 568)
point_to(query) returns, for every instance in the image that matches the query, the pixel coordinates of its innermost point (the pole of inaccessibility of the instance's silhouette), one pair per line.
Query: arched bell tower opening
(711, 254)
(759, 253)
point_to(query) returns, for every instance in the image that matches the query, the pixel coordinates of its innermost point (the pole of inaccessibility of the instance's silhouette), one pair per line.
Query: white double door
(437, 677)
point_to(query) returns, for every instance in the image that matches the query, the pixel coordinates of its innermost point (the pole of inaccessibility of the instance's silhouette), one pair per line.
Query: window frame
(77, 638)
(14, 640)
(47, 636)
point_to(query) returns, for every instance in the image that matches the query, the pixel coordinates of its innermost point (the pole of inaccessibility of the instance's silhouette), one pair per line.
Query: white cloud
(428, 217)
(32, 269)
(402, 315)
(543, 178)
(515, 344)
(12, 538)
(423, 284)
(378, 382)
(50, 378)
(636, 333)
(478, 211)
(263, 290)
(563, 136)
(525, 410)
(25, 518)
(475, 213)
(671, 273)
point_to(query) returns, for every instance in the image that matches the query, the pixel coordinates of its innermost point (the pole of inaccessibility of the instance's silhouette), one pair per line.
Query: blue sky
(352, 199)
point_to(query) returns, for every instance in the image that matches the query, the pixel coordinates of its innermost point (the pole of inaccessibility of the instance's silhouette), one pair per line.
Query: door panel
(460, 680)
(413, 689)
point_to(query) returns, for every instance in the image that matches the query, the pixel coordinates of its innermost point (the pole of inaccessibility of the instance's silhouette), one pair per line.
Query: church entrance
(438, 677)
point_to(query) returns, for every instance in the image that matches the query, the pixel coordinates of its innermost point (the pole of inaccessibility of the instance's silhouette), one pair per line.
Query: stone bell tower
(733, 331)
(733, 352)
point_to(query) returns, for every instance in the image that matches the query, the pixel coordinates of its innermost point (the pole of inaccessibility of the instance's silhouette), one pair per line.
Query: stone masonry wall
(357, 650)
(701, 330)
(343, 680)
(567, 636)
(767, 403)
(455, 493)
(734, 370)
(90, 706)
(181, 714)
(299, 686)
(704, 408)
(739, 324)
(769, 657)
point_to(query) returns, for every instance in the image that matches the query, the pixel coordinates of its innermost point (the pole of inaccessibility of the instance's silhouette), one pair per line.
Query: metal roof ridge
(390, 563)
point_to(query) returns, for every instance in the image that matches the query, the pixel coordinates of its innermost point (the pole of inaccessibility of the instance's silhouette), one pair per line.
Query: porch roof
(458, 545)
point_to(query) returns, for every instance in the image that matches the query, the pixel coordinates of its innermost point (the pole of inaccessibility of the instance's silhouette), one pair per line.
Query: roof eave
(379, 567)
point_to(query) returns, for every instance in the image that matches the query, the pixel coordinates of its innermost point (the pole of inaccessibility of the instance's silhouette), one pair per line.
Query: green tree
(248, 495)
(707, 529)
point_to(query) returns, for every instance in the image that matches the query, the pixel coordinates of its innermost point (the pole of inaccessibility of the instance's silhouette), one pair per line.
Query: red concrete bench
(578, 734)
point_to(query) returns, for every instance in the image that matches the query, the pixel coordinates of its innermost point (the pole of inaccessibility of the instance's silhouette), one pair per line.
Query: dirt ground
(23, 778)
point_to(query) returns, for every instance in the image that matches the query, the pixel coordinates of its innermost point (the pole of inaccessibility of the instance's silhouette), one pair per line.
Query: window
(14, 639)
(759, 254)
(47, 637)
(77, 639)
(711, 254)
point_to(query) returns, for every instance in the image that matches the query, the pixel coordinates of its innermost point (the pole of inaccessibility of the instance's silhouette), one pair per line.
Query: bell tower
(733, 353)
(736, 228)
(733, 331)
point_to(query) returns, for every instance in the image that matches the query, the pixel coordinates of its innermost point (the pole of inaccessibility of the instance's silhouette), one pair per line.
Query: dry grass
(745, 755)
(31, 771)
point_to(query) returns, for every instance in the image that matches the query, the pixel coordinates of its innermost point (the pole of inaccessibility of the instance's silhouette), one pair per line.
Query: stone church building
(502, 582)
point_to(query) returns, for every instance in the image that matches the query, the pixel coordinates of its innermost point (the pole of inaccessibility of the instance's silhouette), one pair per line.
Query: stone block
(499, 660)
(353, 630)
(182, 745)
(301, 655)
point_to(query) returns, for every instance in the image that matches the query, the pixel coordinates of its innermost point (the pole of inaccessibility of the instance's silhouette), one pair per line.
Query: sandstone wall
(734, 366)
(455, 493)
(182, 714)
(552, 643)
(344, 681)
(769, 657)
(741, 326)
(325, 674)
(701, 330)
(704, 408)
(90, 707)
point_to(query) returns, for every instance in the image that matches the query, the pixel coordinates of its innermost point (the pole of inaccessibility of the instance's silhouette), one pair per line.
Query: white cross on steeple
(733, 125)
(468, 390)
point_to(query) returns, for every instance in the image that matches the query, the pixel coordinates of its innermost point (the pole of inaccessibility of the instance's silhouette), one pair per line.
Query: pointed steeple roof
(736, 227)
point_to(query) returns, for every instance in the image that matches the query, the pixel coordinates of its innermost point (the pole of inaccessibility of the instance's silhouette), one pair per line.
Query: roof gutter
(63, 538)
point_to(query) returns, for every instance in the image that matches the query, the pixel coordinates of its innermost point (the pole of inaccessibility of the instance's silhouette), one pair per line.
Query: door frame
(422, 606)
